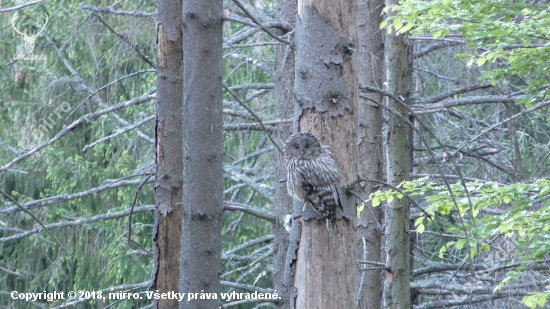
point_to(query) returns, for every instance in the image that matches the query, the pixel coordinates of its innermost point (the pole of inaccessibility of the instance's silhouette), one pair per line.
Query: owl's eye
(307, 146)
(296, 146)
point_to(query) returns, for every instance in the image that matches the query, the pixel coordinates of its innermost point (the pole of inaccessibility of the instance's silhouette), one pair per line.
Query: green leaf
(442, 251)
(360, 209)
(481, 61)
(406, 28)
(398, 22)
(418, 221)
(460, 243)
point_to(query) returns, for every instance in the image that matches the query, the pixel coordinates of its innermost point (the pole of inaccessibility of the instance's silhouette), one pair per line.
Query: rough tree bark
(284, 96)
(371, 163)
(203, 150)
(169, 154)
(326, 98)
(397, 285)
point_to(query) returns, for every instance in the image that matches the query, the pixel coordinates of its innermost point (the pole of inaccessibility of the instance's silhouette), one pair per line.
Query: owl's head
(302, 146)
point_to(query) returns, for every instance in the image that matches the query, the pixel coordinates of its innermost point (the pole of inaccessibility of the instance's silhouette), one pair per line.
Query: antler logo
(30, 40)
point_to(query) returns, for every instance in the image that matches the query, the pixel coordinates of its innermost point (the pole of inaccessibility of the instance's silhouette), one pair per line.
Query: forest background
(78, 149)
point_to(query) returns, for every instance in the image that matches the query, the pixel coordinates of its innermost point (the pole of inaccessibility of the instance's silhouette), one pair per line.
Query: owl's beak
(302, 153)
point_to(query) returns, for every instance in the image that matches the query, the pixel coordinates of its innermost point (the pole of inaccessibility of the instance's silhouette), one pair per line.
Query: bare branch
(85, 87)
(447, 94)
(469, 101)
(109, 10)
(114, 82)
(143, 182)
(8, 147)
(448, 177)
(260, 213)
(84, 119)
(63, 224)
(435, 74)
(238, 176)
(11, 199)
(64, 198)
(253, 114)
(249, 126)
(241, 6)
(14, 8)
(523, 112)
(125, 39)
(435, 46)
(101, 140)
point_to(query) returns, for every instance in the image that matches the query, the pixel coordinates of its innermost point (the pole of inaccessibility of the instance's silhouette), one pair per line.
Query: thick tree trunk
(397, 285)
(203, 150)
(169, 155)
(284, 95)
(371, 162)
(326, 98)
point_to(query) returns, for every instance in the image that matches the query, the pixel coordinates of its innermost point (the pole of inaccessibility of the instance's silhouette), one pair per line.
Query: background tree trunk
(203, 150)
(169, 154)
(284, 97)
(397, 284)
(326, 97)
(371, 162)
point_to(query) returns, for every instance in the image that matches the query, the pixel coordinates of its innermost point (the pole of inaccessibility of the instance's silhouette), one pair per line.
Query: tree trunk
(371, 162)
(397, 285)
(326, 98)
(169, 155)
(283, 93)
(203, 150)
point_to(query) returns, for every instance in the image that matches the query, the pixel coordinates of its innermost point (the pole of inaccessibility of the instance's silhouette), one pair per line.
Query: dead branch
(63, 224)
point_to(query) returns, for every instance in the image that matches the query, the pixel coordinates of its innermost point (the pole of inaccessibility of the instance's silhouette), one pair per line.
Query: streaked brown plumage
(312, 174)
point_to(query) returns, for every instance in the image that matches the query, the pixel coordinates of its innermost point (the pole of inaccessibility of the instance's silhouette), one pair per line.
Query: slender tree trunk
(283, 92)
(326, 98)
(397, 286)
(169, 155)
(203, 150)
(371, 162)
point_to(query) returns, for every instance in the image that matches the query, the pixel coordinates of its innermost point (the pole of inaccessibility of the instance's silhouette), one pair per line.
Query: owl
(312, 175)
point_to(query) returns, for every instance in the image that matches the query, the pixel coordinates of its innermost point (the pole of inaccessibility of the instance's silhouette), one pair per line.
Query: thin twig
(63, 224)
(14, 8)
(260, 213)
(64, 197)
(400, 191)
(253, 114)
(111, 83)
(85, 87)
(143, 182)
(109, 10)
(276, 37)
(11, 199)
(130, 128)
(125, 39)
